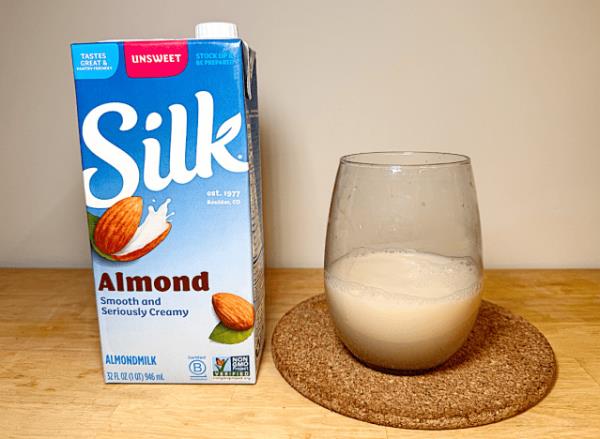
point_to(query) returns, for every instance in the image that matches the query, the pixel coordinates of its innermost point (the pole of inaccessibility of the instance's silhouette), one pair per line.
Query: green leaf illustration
(222, 334)
(92, 221)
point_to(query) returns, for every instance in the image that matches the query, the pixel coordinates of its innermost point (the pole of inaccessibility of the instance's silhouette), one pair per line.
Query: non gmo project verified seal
(236, 366)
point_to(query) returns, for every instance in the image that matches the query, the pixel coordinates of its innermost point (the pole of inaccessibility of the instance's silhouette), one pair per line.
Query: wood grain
(51, 374)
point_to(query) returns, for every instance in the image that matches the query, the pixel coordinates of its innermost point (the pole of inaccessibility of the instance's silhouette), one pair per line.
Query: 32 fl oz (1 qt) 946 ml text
(134, 377)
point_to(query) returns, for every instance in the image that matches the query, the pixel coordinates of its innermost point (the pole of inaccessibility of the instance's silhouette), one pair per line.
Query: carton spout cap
(216, 31)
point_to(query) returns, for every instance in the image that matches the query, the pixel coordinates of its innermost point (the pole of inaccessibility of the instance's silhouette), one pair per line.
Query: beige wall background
(513, 84)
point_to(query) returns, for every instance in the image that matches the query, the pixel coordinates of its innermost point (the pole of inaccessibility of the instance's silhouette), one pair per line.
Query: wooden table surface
(51, 375)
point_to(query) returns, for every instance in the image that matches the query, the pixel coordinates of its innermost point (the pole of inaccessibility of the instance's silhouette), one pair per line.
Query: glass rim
(439, 159)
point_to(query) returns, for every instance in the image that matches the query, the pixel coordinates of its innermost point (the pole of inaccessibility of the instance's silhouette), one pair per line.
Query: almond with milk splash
(171, 177)
(118, 234)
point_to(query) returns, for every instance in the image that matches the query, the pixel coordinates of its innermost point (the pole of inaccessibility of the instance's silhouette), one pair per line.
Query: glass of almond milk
(403, 266)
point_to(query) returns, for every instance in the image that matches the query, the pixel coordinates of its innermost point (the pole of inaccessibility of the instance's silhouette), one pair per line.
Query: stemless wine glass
(403, 268)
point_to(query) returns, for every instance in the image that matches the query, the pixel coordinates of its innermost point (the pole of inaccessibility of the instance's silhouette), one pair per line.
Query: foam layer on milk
(403, 309)
(403, 275)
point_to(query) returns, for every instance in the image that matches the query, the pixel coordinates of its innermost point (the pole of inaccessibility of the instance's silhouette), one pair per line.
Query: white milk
(403, 309)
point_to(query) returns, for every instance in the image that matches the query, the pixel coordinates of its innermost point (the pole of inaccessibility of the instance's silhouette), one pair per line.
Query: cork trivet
(505, 367)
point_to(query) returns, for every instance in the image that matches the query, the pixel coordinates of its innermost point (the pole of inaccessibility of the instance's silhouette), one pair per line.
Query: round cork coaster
(505, 367)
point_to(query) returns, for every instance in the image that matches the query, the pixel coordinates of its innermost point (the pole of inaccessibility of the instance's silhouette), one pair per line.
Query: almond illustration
(118, 224)
(119, 234)
(234, 312)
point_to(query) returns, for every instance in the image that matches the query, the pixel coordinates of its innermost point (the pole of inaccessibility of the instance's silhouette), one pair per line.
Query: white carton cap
(216, 31)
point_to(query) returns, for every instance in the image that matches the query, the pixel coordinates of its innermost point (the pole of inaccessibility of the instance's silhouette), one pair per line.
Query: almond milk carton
(171, 173)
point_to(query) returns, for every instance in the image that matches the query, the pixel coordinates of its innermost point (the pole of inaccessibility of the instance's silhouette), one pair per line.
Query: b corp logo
(197, 368)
